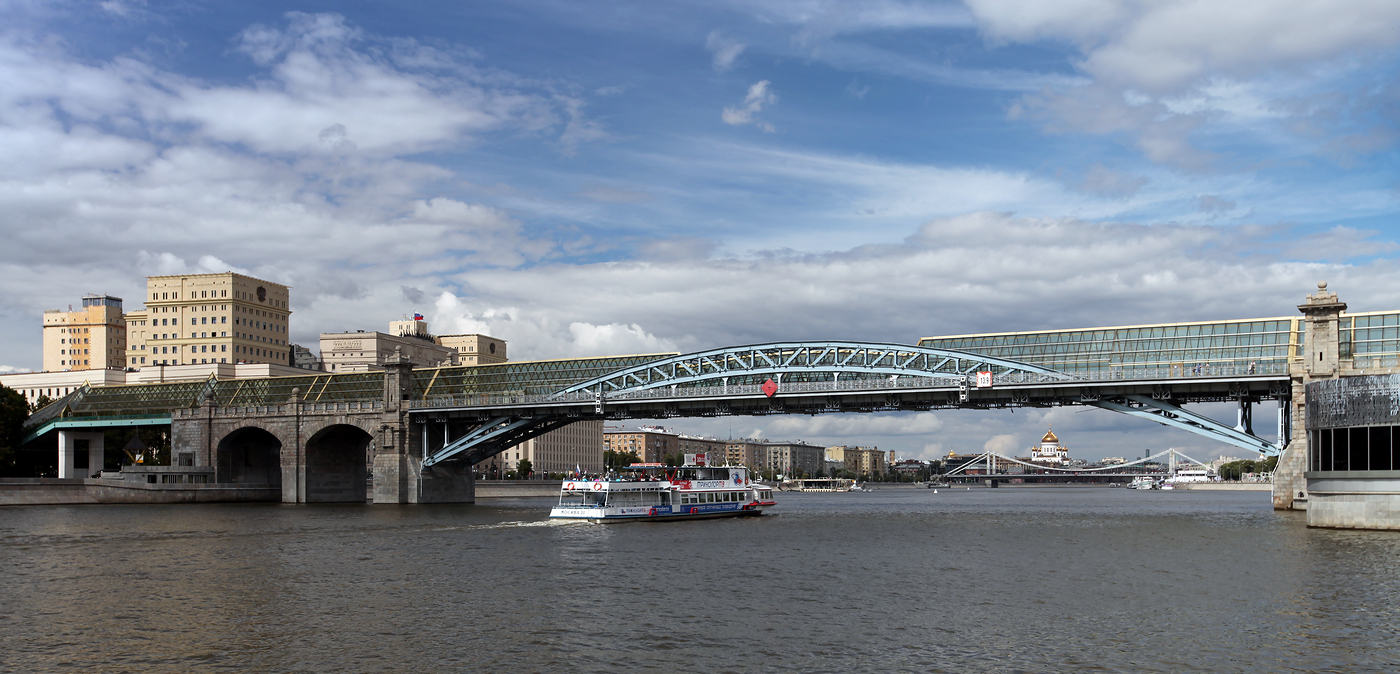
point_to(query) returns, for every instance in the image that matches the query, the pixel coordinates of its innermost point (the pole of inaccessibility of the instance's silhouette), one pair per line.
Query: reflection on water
(1013, 579)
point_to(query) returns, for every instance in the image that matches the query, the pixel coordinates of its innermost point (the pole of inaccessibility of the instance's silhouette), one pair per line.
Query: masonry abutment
(1322, 359)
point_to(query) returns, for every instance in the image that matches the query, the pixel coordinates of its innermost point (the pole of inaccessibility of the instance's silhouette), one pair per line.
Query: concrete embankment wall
(67, 491)
(517, 488)
(1226, 486)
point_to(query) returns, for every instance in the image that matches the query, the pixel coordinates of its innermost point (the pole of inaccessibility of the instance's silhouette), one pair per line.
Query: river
(1017, 579)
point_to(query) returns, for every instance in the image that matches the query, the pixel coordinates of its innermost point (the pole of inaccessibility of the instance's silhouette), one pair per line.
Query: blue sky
(622, 177)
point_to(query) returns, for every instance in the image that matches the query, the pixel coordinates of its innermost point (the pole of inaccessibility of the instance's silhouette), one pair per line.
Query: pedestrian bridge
(287, 430)
(411, 427)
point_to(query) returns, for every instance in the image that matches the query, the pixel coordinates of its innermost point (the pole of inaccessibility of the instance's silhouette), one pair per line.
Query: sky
(618, 177)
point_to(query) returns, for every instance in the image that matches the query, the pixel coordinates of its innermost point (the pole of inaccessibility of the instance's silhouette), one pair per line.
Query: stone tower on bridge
(1322, 358)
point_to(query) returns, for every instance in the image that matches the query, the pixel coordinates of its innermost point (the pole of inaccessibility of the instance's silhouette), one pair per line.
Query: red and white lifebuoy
(597, 486)
(569, 487)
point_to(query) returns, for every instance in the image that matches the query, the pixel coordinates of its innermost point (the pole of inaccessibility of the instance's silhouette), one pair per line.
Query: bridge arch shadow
(336, 465)
(249, 455)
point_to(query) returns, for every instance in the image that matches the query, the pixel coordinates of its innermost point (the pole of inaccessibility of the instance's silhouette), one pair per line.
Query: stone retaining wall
(61, 491)
(517, 488)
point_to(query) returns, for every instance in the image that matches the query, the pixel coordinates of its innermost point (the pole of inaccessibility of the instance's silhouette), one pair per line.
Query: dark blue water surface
(1033, 579)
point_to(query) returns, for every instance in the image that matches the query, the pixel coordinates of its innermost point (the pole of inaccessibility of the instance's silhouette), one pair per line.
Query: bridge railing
(1374, 362)
(851, 385)
(284, 409)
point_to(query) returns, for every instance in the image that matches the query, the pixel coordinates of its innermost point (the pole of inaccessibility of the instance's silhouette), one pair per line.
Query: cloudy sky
(622, 177)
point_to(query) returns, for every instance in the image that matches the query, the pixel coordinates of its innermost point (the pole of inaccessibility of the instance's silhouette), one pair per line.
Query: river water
(1020, 579)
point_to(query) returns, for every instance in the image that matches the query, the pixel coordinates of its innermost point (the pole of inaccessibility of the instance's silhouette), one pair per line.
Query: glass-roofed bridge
(433, 423)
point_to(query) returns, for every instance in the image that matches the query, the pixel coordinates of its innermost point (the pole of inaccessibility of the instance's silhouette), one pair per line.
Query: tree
(41, 403)
(13, 411)
(619, 459)
(523, 468)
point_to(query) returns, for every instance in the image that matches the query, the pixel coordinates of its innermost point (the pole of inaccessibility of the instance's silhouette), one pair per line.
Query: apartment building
(91, 338)
(210, 318)
(475, 349)
(651, 443)
(860, 460)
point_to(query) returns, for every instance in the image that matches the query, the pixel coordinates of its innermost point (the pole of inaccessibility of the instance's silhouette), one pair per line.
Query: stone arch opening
(336, 465)
(250, 456)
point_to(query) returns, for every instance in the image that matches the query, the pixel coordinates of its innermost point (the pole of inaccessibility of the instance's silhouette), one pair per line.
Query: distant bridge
(998, 466)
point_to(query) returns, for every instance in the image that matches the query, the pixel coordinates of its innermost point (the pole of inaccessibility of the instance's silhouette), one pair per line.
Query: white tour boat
(653, 492)
(1192, 475)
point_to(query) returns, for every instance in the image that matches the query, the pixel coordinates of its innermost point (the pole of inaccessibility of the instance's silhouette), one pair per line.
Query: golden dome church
(1050, 450)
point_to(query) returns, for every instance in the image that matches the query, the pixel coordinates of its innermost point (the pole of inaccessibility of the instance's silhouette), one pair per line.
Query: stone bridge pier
(321, 452)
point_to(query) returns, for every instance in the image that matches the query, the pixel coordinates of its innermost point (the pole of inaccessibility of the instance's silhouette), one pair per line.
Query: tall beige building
(859, 460)
(651, 443)
(360, 350)
(475, 349)
(749, 452)
(210, 318)
(92, 338)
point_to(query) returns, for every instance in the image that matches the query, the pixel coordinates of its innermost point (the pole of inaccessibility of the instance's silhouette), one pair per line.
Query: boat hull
(687, 514)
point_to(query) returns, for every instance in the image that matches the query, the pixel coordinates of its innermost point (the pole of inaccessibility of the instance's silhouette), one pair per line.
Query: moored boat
(653, 492)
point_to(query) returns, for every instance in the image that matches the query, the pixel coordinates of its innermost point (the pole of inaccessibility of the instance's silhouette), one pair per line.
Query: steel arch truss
(494, 436)
(803, 361)
(1144, 407)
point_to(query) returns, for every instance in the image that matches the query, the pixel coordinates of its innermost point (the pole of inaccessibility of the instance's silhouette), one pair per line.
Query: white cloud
(1006, 444)
(725, 50)
(1168, 46)
(615, 338)
(156, 172)
(839, 426)
(1103, 181)
(613, 195)
(754, 102)
(533, 334)
(1160, 70)
(821, 18)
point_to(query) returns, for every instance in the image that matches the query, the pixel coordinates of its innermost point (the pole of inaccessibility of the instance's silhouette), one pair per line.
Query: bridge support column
(397, 467)
(399, 476)
(69, 460)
